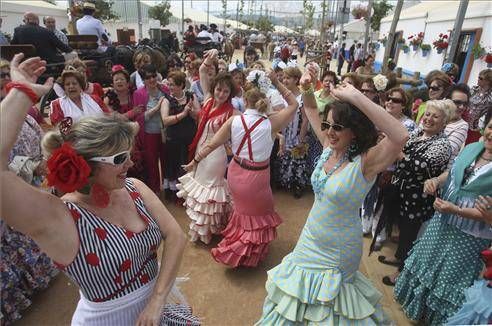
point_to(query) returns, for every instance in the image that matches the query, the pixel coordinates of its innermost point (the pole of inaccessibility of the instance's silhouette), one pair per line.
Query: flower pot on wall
(415, 47)
(489, 65)
(425, 53)
(439, 50)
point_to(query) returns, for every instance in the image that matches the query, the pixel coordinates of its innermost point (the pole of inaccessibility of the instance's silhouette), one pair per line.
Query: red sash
(206, 115)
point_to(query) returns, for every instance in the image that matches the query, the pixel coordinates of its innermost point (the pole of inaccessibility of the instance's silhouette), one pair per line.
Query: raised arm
(29, 210)
(207, 64)
(379, 157)
(310, 105)
(220, 138)
(281, 119)
(171, 255)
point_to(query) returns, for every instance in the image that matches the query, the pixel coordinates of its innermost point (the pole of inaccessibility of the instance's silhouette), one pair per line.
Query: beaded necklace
(318, 180)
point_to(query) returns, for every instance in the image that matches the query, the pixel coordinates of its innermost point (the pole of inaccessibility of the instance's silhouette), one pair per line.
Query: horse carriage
(202, 44)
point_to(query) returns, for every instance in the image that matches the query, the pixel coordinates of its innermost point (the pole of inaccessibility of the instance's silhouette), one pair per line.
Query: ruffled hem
(207, 207)
(477, 309)
(297, 295)
(190, 188)
(246, 239)
(422, 296)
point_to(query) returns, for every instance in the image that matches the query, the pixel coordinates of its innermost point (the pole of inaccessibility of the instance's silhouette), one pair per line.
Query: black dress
(424, 159)
(178, 138)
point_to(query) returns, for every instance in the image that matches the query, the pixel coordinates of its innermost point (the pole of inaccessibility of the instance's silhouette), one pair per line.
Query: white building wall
(414, 61)
(111, 27)
(13, 13)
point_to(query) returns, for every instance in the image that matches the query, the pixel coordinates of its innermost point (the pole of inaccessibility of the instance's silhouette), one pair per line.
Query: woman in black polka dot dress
(425, 156)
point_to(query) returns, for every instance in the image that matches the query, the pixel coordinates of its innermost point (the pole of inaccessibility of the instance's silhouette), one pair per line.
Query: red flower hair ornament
(67, 171)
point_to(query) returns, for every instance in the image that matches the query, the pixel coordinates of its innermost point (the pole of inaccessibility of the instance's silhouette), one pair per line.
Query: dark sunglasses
(325, 125)
(151, 76)
(4, 74)
(396, 100)
(480, 78)
(116, 159)
(367, 91)
(435, 88)
(458, 102)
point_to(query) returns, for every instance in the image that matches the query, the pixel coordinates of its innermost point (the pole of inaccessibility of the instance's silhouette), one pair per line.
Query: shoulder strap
(247, 136)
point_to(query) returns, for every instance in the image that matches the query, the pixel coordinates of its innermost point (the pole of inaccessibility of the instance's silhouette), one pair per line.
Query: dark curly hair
(351, 117)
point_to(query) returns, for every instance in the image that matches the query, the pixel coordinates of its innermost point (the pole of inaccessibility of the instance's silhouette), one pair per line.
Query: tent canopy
(283, 29)
(313, 32)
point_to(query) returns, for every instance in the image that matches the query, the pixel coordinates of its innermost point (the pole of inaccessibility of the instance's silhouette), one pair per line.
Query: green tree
(241, 10)
(264, 24)
(103, 11)
(308, 12)
(380, 10)
(161, 12)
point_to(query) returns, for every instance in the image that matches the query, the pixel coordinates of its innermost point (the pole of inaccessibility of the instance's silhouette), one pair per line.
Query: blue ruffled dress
(445, 261)
(319, 282)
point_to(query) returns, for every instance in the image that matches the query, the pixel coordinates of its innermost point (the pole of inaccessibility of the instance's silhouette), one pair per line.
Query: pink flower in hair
(116, 68)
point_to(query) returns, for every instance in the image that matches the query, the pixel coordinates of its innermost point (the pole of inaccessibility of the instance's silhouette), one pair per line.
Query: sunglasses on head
(435, 88)
(325, 125)
(5, 74)
(150, 76)
(395, 100)
(458, 102)
(116, 159)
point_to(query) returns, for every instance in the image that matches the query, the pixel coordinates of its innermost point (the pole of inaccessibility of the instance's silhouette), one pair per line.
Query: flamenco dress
(319, 282)
(251, 227)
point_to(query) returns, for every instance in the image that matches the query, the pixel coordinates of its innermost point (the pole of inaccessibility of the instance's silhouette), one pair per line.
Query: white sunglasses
(116, 159)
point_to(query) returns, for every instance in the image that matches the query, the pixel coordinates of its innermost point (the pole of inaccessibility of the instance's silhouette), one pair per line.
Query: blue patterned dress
(446, 259)
(319, 282)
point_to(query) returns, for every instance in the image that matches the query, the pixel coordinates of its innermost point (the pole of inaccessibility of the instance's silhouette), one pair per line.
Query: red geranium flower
(67, 171)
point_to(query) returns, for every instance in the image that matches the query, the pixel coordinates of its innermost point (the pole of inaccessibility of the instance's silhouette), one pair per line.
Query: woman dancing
(205, 191)
(251, 227)
(318, 283)
(106, 238)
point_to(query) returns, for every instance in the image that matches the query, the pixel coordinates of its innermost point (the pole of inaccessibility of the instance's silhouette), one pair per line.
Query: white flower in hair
(260, 80)
(380, 82)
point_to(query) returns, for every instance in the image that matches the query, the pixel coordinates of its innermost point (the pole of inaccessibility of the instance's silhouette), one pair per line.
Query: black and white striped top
(112, 261)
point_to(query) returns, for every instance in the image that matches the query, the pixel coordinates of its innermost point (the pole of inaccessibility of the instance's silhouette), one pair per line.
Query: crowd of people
(214, 137)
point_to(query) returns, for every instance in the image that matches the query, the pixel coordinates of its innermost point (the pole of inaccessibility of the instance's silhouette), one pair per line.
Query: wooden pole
(455, 33)
(139, 15)
(368, 26)
(391, 35)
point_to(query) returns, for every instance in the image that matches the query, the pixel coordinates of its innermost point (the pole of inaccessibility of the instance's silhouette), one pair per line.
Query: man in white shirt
(216, 36)
(88, 25)
(204, 33)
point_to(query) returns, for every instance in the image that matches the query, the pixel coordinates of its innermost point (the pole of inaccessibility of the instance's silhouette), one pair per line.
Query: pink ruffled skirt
(252, 224)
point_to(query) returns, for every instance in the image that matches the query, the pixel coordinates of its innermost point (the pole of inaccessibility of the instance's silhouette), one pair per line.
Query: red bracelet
(23, 88)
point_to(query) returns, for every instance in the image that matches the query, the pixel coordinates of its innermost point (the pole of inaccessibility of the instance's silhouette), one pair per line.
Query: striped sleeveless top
(112, 261)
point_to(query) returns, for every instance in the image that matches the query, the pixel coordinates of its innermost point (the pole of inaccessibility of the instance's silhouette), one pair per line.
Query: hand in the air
(28, 71)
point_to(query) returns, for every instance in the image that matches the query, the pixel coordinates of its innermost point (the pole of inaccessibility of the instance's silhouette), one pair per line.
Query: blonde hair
(94, 136)
(257, 99)
(139, 58)
(452, 109)
(4, 64)
(444, 106)
(293, 72)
